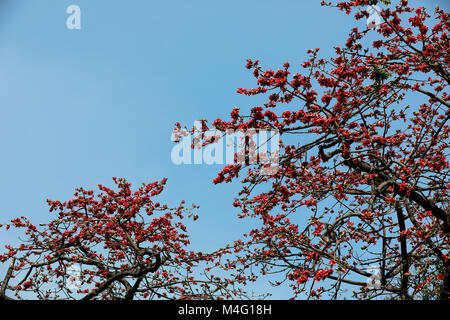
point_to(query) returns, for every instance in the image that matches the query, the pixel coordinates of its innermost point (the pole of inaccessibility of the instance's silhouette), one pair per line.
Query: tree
(365, 185)
(359, 198)
(116, 245)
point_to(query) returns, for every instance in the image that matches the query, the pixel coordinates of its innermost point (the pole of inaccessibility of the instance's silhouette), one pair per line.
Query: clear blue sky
(81, 106)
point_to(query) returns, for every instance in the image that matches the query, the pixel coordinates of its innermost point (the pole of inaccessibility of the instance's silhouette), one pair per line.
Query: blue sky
(81, 106)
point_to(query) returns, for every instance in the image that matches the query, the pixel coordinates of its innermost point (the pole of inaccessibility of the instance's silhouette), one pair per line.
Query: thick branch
(404, 251)
(120, 275)
(6, 280)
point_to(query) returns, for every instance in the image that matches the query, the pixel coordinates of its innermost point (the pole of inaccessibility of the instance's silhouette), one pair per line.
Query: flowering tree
(362, 182)
(359, 198)
(116, 245)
